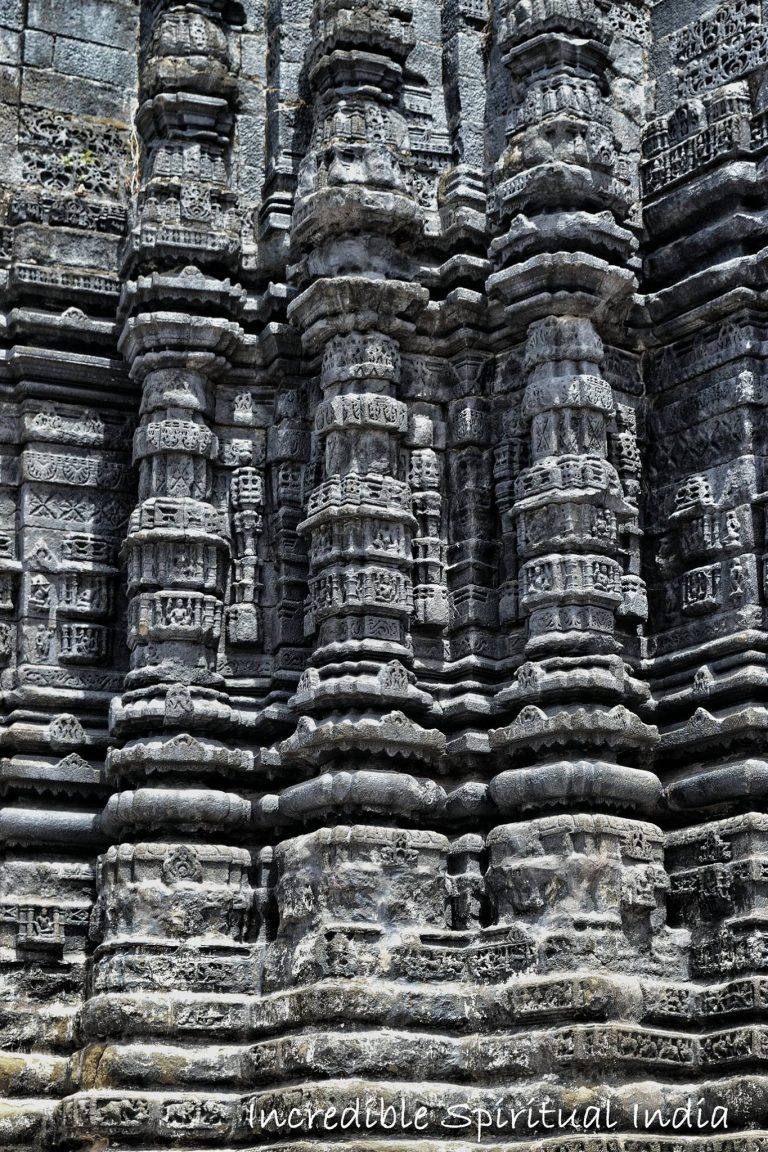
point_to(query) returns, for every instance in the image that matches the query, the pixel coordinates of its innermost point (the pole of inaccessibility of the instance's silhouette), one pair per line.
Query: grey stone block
(383, 426)
(46, 88)
(38, 48)
(10, 46)
(111, 66)
(93, 21)
(12, 14)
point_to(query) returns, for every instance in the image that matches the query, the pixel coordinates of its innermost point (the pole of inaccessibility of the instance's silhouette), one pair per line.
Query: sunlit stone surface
(382, 482)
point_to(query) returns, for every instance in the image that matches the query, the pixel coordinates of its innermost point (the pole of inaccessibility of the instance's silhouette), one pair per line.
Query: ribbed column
(578, 877)
(174, 897)
(704, 159)
(357, 771)
(354, 220)
(565, 256)
(570, 503)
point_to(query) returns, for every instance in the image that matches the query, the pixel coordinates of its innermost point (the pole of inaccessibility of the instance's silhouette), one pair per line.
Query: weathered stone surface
(383, 554)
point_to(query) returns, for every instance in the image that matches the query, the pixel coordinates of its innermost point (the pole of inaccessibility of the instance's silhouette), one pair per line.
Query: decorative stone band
(583, 391)
(392, 734)
(574, 579)
(335, 792)
(356, 588)
(174, 517)
(369, 494)
(194, 1117)
(571, 783)
(360, 356)
(182, 755)
(730, 136)
(88, 471)
(168, 967)
(204, 242)
(567, 525)
(586, 474)
(406, 1054)
(87, 287)
(367, 410)
(342, 539)
(174, 436)
(533, 728)
(177, 809)
(530, 1000)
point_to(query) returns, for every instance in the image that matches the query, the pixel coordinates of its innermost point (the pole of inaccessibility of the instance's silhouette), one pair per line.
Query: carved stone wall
(383, 575)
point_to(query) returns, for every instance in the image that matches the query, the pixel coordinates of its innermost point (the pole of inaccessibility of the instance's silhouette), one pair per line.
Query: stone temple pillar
(174, 896)
(580, 878)
(383, 461)
(565, 249)
(354, 220)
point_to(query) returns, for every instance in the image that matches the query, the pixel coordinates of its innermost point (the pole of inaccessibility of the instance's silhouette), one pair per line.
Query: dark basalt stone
(383, 647)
